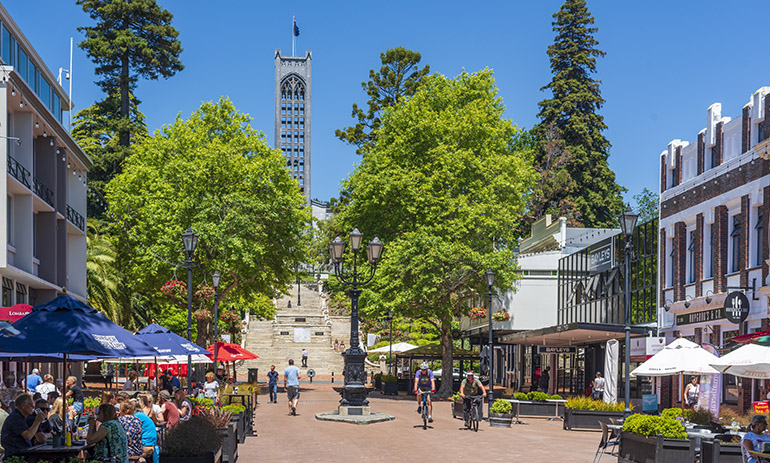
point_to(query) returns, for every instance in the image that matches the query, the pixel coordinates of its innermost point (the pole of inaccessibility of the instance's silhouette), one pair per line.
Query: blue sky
(666, 62)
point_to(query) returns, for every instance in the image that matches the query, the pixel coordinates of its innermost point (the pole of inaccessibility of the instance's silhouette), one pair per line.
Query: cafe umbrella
(66, 325)
(229, 352)
(749, 361)
(680, 357)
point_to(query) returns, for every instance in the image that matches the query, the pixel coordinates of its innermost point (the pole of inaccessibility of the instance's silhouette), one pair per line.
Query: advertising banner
(710, 386)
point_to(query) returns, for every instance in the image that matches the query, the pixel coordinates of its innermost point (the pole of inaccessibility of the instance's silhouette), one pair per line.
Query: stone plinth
(348, 410)
(371, 418)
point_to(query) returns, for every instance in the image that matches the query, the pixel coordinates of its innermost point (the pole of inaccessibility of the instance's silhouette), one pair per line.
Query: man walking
(291, 383)
(545, 379)
(272, 384)
(304, 358)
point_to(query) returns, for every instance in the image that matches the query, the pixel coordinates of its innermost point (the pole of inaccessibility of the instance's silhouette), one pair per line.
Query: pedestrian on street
(304, 358)
(545, 378)
(291, 378)
(337, 348)
(272, 384)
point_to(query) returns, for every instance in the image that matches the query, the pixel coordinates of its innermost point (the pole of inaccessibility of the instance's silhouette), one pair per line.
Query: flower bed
(661, 439)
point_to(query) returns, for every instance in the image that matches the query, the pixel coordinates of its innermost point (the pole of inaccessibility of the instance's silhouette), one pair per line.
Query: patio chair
(606, 441)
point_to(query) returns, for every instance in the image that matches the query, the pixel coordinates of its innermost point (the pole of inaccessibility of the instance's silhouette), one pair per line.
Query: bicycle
(473, 415)
(424, 409)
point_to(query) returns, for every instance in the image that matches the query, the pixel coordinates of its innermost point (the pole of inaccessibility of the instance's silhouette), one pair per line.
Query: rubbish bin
(253, 375)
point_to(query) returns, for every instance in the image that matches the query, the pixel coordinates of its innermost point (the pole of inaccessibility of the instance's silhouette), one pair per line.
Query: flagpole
(293, 22)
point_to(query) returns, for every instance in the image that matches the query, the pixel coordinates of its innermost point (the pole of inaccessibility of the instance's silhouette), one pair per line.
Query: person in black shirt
(16, 435)
(42, 405)
(74, 391)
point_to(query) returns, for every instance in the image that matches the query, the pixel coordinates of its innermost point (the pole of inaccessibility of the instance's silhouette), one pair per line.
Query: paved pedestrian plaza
(303, 438)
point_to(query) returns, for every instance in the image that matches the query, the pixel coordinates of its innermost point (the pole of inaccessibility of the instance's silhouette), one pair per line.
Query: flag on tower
(296, 29)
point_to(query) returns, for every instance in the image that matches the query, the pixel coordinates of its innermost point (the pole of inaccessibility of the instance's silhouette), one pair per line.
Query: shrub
(501, 406)
(651, 426)
(587, 403)
(193, 437)
(234, 409)
(389, 379)
(701, 416)
(556, 397)
(218, 418)
(520, 396)
(538, 396)
(685, 414)
(378, 376)
(456, 397)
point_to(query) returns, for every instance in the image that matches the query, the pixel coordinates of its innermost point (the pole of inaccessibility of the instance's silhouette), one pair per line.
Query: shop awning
(572, 334)
(749, 338)
(429, 351)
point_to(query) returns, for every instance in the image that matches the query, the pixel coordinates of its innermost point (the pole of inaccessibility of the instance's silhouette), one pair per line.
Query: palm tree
(102, 276)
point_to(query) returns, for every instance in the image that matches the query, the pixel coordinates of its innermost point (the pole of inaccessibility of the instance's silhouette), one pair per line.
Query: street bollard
(332, 377)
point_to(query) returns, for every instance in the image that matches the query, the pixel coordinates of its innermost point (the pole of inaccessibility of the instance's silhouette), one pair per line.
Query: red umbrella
(229, 352)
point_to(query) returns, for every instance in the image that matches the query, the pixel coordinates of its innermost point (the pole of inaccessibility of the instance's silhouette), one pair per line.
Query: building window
(21, 293)
(32, 297)
(34, 235)
(760, 245)
(691, 259)
(735, 238)
(671, 259)
(7, 292)
(708, 261)
(10, 220)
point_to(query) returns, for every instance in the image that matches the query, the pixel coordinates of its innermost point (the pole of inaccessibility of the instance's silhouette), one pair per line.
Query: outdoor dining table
(760, 456)
(516, 419)
(50, 453)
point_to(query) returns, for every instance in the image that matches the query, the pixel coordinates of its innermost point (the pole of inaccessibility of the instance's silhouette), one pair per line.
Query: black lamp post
(190, 241)
(490, 277)
(215, 281)
(627, 225)
(354, 392)
(389, 319)
(299, 301)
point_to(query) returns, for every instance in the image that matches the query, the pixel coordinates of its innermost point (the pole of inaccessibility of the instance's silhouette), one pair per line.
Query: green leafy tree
(593, 195)
(216, 174)
(102, 277)
(646, 205)
(398, 78)
(131, 39)
(442, 186)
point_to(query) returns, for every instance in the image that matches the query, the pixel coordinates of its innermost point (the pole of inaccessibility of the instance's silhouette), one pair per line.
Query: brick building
(714, 201)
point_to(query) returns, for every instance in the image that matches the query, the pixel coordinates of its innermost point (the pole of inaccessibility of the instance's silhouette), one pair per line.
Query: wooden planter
(457, 409)
(714, 451)
(500, 420)
(211, 457)
(532, 408)
(390, 388)
(229, 444)
(640, 449)
(587, 419)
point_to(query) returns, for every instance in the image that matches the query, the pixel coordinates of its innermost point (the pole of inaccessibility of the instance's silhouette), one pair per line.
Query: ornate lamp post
(389, 319)
(627, 225)
(354, 392)
(490, 277)
(190, 241)
(215, 281)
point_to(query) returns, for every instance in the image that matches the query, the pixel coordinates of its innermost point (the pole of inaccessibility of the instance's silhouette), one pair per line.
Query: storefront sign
(602, 257)
(556, 350)
(736, 307)
(761, 408)
(650, 402)
(644, 348)
(699, 317)
(14, 313)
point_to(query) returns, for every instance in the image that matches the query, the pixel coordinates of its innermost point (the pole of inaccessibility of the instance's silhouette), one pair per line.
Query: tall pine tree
(572, 113)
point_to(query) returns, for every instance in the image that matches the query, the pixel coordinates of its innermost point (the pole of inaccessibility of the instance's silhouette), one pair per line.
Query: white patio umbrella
(679, 357)
(398, 347)
(749, 361)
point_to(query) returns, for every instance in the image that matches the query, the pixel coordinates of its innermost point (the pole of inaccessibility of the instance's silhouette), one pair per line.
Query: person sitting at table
(131, 383)
(121, 397)
(133, 427)
(110, 437)
(754, 438)
(108, 398)
(183, 404)
(210, 387)
(16, 435)
(149, 431)
(46, 387)
(168, 408)
(54, 417)
(147, 407)
(74, 391)
(45, 426)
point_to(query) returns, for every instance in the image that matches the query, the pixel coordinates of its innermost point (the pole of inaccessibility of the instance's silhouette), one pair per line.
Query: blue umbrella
(166, 342)
(68, 326)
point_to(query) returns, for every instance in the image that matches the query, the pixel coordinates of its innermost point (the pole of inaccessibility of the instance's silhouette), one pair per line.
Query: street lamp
(215, 281)
(627, 225)
(354, 392)
(190, 241)
(389, 319)
(490, 277)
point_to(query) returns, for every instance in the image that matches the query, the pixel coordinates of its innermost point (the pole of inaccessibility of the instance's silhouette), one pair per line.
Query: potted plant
(536, 404)
(378, 381)
(221, 420)
(457, 406)
(193, 441)
(501, 315)
(389, 385)
(661, 439)
(586, 413)
(500, 415)
(238, 412)
(478, 313)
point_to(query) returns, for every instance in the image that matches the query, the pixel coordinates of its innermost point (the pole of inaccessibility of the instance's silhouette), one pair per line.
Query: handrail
(75, 218)
(45, 193)
(18, 171)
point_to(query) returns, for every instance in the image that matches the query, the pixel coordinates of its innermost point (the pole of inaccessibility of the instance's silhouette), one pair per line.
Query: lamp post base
(355, 391)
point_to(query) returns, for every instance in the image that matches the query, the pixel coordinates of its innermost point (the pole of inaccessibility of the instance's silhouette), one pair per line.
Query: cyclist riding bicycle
(471, 386)
(424, 382)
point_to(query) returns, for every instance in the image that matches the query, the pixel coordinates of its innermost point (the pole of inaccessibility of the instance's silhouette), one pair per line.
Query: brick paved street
(303, 438)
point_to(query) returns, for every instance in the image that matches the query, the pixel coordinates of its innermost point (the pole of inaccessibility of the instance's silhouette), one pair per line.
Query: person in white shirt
(598, 387)
(47, 387)
(210, 386)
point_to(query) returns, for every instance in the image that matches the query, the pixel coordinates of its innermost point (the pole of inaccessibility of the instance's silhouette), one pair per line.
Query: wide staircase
(296, 327)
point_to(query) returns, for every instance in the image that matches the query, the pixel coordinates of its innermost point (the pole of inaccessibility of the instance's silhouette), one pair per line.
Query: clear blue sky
(666, 62)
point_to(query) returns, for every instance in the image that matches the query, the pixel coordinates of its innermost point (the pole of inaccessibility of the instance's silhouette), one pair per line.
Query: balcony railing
(43, 191)
(75, 218)
(19, 172)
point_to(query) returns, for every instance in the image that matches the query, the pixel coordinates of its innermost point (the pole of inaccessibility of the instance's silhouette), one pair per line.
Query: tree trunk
(202, 337)
(125, 136)
(447, 347)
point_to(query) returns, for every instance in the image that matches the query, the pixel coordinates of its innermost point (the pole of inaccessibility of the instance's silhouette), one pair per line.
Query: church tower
(293, 115)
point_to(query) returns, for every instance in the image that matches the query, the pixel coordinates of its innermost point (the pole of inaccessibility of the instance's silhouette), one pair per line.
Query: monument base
(371, 418)
(348, 410)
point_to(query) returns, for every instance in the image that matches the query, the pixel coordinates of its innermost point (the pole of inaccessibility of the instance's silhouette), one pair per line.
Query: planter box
(229, 444)
(588, 419)
(640, 449)
(390, 388)
(239, 424)
(714, 451)
(500, 420)
(211, 457)
(457, 409)
(544, 409)
(378, 383)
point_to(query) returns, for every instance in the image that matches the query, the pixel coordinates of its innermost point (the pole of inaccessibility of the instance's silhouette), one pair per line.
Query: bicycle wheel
(475, 418)
(425, 416)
